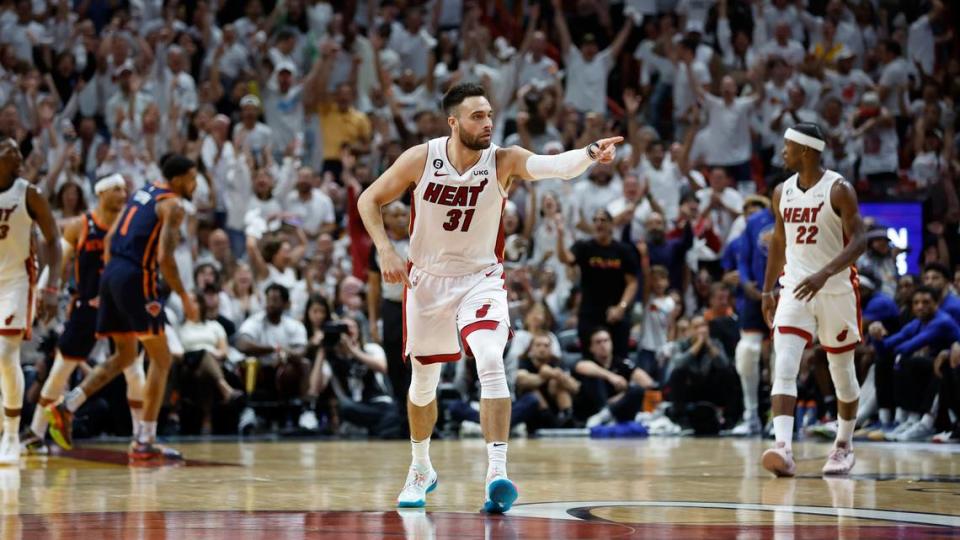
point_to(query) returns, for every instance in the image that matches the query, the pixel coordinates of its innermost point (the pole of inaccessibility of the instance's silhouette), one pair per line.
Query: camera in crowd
(333, 332)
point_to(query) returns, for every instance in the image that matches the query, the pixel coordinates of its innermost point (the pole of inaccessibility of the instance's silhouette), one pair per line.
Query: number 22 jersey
(814, 234)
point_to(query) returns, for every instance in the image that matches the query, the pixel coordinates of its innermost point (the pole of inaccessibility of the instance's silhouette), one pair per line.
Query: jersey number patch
(4, 229)
(807, 235)
(453, 220)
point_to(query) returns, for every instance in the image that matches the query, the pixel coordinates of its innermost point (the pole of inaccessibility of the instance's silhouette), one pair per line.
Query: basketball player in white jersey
(454, 279)
(20, 206)
(817, 237)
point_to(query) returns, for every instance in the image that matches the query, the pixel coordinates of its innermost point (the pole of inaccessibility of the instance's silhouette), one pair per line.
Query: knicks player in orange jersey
(21, 205)
(817, 237)
(454, 280)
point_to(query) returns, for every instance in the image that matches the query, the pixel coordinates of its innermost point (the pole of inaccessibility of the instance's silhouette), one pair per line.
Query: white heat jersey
(814, 234)
(455, 219)
(16, 227)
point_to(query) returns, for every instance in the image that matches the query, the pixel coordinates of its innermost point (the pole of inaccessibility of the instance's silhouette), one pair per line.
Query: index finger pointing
(604, 143)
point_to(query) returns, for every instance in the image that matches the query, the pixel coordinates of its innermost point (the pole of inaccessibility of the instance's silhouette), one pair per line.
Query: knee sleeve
(423, 382)
(57, 379)
(11, 375)
(136, 379)
(844, 375)
(488, 347)
(789, 350)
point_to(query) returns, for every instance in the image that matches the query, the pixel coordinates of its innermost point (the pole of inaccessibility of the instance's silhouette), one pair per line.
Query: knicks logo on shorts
(842, 335)
(153, 308)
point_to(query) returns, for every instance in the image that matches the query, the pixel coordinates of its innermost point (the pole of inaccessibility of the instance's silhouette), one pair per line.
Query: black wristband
(593, 150)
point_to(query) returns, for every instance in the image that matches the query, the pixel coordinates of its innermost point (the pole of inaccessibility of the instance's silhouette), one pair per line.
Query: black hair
(937, 267)
(689, 43)
(201, 266)
(316, 299)
(657, 142)
(810, 129)
(596, 330)
(926, 289)
(893, 47)
(174, 165)
(284, 293)
(459, 92)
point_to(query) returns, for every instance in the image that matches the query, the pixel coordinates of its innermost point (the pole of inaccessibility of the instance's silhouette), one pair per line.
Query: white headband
(804, 139)
(108, 183)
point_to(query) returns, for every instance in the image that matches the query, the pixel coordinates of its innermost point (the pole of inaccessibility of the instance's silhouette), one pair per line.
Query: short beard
(473, 143)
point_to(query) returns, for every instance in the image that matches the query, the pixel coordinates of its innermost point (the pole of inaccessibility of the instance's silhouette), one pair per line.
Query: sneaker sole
(775, 463)
(422, 502)
(501, 494)
(58, 429)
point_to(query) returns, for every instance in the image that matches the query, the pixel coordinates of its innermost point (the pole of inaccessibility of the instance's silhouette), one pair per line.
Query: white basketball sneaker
(10, 449)
(418, 484)
(501, 494)
(840, 460)
(779, 460)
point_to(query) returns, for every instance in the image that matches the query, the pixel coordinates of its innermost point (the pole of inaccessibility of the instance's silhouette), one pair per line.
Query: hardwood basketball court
(569, 488)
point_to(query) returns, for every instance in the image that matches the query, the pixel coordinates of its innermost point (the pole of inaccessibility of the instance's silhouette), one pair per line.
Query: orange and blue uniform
(79, 337)
(129, 300)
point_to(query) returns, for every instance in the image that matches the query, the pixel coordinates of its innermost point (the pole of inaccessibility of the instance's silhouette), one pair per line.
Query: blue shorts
(751, 317)
(80, 333)
(129, 303)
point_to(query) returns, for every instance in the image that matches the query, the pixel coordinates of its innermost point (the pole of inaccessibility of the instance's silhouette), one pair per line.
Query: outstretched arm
(621, 39)
(521, 163)
(39, 210)
(386, 189)
(843, 198)
(561, 25)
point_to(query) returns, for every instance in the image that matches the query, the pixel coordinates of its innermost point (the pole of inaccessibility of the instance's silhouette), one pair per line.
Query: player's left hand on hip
(809, 287)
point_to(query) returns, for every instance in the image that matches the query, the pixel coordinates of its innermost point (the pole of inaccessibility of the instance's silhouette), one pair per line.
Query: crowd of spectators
(624, 285)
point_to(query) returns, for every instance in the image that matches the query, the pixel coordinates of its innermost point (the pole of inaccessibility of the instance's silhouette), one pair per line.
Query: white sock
(75, 398)
(886, 416)
(421, 454)
(496, 459)
(928, 421)
(845, 430)
(11, 426)
(148, 432)
(783, 430)
(38, 425)
(901, 415)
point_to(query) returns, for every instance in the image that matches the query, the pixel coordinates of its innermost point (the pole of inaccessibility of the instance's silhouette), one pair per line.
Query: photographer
(356, 372)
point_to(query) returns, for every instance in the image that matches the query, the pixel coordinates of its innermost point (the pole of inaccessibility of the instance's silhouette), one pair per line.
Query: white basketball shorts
(441, 311)
(16, 306)
(833, 318)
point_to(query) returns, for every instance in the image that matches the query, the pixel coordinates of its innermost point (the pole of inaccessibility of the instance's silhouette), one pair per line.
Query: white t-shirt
(202, 336)
(722, 220)
(656, 322)
(289, 333)
(666, 185)
(314, 213)
(921, 44)
(879, 151)
(695, 10)
(896, 77)
(792, 51)
(637, 221)
(728, 129)
(586, 88)
(927, 168)
(683, 97)
(284, 114)
(544, 70)
(848, 88)
(590, 197)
